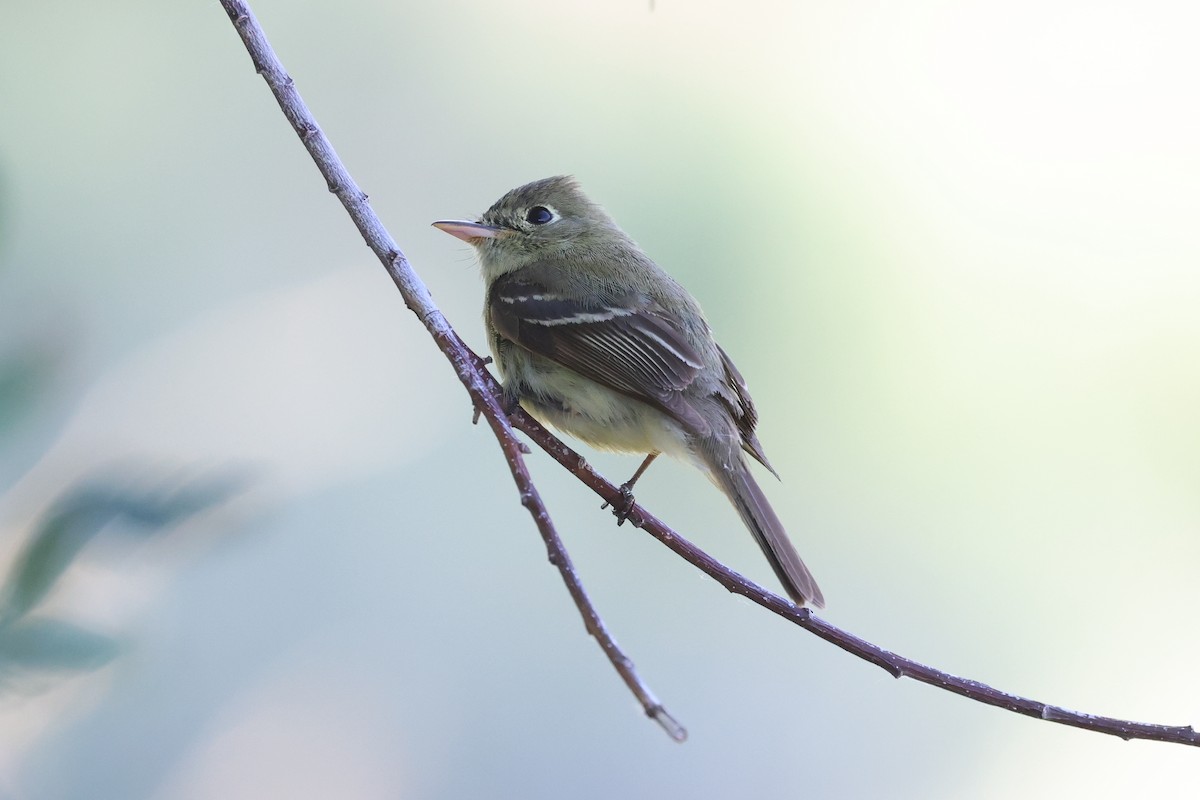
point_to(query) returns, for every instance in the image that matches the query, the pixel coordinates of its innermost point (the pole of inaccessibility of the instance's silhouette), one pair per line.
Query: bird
(592, 337)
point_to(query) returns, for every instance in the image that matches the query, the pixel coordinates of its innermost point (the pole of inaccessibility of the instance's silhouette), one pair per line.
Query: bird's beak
(470, 232)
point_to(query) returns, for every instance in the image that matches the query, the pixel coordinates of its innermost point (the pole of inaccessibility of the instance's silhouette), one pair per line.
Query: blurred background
(252, 546)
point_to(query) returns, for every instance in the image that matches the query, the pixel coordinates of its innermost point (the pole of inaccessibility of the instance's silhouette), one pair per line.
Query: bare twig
(485, 395)
(896, 665)
(468, 367)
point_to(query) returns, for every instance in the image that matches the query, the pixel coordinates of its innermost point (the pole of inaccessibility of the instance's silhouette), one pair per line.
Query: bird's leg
(626, 502)
(627, 486)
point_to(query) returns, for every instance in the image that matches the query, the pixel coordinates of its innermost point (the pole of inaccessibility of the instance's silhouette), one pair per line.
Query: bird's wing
(737, 399)
(630, 344)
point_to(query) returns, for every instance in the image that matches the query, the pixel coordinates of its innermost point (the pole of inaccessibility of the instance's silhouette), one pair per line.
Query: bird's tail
(740, 487)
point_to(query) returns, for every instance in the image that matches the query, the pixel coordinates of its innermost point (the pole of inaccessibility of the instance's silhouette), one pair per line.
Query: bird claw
(623, 507)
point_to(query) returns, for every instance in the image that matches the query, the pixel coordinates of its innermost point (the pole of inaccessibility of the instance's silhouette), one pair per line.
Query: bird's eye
(539, 215)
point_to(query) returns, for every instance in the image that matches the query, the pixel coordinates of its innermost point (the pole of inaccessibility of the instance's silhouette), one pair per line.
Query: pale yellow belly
(596, 414)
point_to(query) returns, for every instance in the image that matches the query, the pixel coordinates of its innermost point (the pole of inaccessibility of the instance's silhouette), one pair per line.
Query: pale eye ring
(540, 215)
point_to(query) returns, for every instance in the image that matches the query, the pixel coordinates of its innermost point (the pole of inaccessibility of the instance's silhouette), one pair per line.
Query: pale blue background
(953, 247)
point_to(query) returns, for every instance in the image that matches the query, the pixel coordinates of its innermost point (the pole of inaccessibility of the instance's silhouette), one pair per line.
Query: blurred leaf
(22, 377)
(157, 509)
(51, 645)
(84, 512)
(54, 545)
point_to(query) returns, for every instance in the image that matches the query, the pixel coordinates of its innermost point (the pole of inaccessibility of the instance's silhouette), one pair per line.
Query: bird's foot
(624, 505)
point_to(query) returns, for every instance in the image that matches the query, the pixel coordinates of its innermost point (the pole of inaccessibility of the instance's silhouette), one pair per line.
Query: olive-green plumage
(593, 338)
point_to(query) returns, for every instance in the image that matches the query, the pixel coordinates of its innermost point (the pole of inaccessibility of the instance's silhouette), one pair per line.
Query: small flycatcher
(593, 338)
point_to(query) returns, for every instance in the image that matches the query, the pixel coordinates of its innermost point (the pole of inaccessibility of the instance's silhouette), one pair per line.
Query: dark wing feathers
(629, 345)
(742, 410)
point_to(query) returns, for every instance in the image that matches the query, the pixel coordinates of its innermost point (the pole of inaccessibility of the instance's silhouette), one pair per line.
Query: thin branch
(485, 394)
(896, 665)
(556, 552)
(468, 367)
